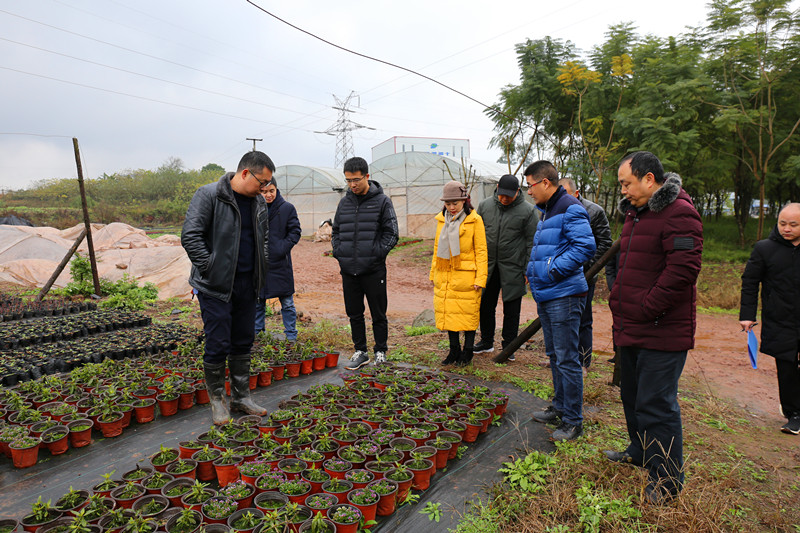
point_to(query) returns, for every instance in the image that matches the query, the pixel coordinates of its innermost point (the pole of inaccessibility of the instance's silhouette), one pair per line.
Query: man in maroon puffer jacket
(653, 303)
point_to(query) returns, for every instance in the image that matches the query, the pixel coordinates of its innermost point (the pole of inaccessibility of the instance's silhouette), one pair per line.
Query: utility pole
(342, 127)
(254, 142)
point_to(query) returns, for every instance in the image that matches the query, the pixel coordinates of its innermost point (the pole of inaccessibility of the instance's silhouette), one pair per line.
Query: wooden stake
(86, 222)
(534, 326)
(60, 267)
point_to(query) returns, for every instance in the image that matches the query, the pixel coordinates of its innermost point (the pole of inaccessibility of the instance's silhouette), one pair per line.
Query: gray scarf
(449, 249)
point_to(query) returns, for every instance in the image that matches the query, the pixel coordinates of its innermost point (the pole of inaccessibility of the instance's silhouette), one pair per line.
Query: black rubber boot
(466, 353)
(215, 384)
(455, 349)
(240, 386)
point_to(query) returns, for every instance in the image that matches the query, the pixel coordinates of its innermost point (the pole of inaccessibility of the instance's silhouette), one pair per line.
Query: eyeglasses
(536, 183)
(354, 180)
(262, 183)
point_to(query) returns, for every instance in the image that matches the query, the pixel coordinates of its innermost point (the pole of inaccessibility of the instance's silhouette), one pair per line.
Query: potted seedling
(346, 517)
(42, 514)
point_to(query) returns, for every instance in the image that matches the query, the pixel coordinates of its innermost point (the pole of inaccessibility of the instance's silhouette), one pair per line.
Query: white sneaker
(380, 358)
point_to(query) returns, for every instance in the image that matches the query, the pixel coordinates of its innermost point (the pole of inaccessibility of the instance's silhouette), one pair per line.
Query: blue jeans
(561, 319)
(288, 314)
(649, 393)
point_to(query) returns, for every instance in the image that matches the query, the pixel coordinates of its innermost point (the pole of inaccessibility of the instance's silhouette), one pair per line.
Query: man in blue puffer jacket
(562, 243)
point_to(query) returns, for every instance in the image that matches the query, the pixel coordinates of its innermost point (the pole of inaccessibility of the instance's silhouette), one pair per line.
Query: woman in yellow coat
(458, 271)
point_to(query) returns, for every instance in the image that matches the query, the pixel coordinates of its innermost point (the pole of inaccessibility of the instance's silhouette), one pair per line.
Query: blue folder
(752, 348)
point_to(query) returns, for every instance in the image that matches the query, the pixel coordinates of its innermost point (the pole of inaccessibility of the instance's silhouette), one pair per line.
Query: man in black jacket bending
(364, 232)
(602, 240)
(775, 265)
(225, 234)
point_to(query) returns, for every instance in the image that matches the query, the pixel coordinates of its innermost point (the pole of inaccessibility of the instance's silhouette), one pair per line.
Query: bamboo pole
(534, 326)
(61, 266)
(86, 222)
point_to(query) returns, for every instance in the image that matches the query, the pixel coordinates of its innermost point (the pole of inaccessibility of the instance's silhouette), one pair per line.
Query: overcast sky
(141, 81)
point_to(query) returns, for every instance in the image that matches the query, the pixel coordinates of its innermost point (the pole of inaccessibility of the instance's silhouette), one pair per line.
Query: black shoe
(658, 495)
(483, 347)
(452, 357)
(551, 414)
(622, 457)
(466, 358)
(567, 431)
(792, 426)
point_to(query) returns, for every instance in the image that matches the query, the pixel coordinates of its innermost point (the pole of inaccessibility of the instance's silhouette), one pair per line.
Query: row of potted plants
(53, 329)
(13, 307)
(32, 362)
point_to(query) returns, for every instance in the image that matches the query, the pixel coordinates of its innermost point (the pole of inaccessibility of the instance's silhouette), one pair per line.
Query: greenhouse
(413, 180)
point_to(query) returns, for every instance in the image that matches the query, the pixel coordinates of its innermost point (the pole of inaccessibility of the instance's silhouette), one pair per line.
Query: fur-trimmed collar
(664, 196)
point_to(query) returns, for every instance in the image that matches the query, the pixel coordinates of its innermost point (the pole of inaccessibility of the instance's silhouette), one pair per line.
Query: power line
(220, 76)
(377, 60)
(215, 93)
(149, 99)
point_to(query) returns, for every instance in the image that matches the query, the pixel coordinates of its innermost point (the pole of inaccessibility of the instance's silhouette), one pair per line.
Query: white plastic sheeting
(30, 255)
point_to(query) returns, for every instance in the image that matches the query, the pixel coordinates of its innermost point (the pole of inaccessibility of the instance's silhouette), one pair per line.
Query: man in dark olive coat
(775, 265)
(510, 224)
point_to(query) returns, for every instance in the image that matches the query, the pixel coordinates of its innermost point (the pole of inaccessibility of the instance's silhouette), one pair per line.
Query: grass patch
(413, 331)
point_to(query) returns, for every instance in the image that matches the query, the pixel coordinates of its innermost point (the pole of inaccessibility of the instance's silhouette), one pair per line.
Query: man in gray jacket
(602, 240)
(510, 224)
(225, 234)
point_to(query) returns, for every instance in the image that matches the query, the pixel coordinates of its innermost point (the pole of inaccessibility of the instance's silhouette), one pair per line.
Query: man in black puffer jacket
(226, 236)
(775, 265)
(364, 232)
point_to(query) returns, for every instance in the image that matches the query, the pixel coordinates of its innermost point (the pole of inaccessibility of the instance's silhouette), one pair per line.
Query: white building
(455, 148)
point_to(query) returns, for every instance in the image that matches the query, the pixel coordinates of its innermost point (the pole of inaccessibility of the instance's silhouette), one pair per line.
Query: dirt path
(719, 357)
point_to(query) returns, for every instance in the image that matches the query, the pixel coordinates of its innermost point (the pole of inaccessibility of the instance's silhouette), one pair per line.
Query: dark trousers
(228, 326)
(371, 286)
(511, 311)
(585, 331)
(789, 386)
(649, 392)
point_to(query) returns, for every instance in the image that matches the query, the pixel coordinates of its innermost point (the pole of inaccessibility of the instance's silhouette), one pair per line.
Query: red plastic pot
(111, 428)
(387, 502)
(472, 431)
(332, 359)
(145, 413)
(278, 370)
(342, 528)
(368, 511)
(58, 446)
(293, 369)
(167, 407)
(25, 457)
(265, 378)
(201, 396)
(227, 473)
(185, 400)
(422, 477)
(306, 366)
(319, 362)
